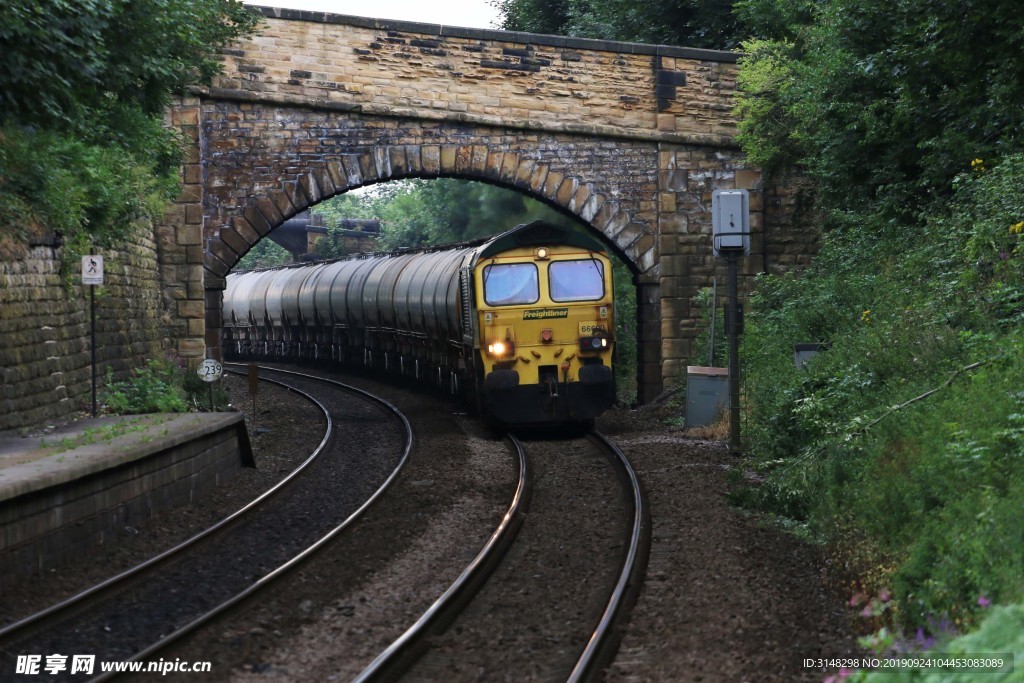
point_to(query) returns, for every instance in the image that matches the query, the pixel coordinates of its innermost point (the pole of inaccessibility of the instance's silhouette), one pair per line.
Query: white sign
(209, 370)
(92, 270)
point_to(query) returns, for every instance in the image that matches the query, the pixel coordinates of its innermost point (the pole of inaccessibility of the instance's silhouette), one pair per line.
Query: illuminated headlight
(500, 348)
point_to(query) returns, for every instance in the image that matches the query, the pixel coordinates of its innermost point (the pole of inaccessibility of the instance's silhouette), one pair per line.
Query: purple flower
(983, 601)
(884, 595)
(923, 642)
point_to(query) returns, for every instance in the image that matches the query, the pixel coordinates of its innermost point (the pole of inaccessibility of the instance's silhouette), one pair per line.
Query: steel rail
(97, 590)
(283, 569)
(627, 587)
(403, 650)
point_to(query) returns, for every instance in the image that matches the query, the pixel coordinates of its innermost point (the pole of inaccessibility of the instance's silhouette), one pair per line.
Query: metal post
(714, 315)
(732, 326)
(92, 341)
(254, 387)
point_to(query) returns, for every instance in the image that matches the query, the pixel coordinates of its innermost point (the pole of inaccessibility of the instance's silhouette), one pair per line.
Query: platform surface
(81, 448)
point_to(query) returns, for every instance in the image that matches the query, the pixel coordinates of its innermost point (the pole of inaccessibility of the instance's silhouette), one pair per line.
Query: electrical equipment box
(707, 394)
(730, 221)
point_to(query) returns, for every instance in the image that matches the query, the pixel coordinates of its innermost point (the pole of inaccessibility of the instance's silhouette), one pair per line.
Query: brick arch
(534, 178)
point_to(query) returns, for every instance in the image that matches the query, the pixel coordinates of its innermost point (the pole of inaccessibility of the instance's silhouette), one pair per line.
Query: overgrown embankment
(902, 443)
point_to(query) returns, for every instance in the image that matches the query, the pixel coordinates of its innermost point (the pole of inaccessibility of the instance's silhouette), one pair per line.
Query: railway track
(545, 613)
(138, 613)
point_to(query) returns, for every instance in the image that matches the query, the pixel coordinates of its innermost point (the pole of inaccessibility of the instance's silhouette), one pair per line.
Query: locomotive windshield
(576, 280)
(510, 284)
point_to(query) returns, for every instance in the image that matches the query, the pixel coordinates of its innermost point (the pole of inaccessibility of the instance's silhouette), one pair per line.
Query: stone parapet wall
(492, 77)
(45, 357)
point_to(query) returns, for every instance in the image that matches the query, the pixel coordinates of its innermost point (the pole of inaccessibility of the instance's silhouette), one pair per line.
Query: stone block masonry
(491, 77)
(45, 358)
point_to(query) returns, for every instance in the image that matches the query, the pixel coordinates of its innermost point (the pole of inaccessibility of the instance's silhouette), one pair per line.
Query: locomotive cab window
(510, 284)
(576, 280)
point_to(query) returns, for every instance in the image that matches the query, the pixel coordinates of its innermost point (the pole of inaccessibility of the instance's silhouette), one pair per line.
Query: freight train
(520, 324)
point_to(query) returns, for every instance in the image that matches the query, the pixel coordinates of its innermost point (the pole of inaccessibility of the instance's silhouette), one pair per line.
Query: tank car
(521, 324)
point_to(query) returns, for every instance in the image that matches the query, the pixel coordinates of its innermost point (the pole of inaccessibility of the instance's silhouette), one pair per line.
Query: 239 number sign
(209, 370)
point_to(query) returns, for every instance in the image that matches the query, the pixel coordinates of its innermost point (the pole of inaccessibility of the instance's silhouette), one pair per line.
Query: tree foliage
(65, 62)
(883, 103)
(691, 23)
(417, 213)
(83, 85)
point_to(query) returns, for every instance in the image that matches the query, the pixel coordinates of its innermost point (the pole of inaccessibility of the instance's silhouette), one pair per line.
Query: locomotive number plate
(589, 329)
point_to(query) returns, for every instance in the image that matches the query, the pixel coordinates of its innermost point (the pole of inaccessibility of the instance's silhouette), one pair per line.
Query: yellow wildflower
(977, 165)
(1017, 228)
(865, 317)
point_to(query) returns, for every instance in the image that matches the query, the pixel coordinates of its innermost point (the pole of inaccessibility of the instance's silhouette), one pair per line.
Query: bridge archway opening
(370, 202)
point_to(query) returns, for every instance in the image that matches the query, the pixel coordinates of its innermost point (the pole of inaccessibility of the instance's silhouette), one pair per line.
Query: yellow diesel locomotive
(521, 324)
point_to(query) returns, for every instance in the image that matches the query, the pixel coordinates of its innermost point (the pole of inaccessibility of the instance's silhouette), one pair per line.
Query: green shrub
(155, 388)
(89, 194)
(83, 87)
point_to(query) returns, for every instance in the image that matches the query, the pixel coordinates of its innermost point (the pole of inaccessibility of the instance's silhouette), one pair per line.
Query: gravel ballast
(727, 596)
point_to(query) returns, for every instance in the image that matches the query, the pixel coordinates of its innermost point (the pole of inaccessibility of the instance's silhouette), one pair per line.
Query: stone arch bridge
(629, 138)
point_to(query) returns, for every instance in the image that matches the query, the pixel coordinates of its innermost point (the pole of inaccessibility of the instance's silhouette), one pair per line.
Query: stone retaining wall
(45, 363)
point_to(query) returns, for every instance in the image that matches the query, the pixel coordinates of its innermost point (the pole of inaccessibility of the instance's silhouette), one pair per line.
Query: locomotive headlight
(541, 253)
(499, 349)
(503, 348)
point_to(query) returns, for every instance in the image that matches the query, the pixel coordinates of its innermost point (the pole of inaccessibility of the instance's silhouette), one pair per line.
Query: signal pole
(730, 223)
